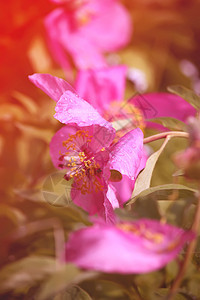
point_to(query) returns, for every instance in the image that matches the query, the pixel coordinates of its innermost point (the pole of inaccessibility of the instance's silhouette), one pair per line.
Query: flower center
(126, 116)
(81, 163)
(142, 231)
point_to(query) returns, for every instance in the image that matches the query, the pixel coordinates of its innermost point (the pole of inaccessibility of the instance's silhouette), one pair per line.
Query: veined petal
(127, 155)
(53, 86)
(71, 109)
(135, 247)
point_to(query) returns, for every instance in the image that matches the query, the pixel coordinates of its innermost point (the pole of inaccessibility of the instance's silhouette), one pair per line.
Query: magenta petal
(86, 32)
(90, 202)
(102, 86)
(127, 155)
(155, 105)
(71, 109)
(94, 203)
(110, 249)
(105, 34)
(56, 144)
(53, 86)
(123, 189)
(61, 28)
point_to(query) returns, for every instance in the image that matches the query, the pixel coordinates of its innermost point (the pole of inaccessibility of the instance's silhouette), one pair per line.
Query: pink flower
(104, 89)
(86, 30)
(85, 149)
(126, 156)
(156, 105)
(134, 247)
(101, 87)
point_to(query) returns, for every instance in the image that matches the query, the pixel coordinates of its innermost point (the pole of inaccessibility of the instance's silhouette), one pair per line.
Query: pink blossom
(133, 247)
(101, 87)
(104, 89)
(86, 30)
(119, 191)
(86, 150)
(156, 105)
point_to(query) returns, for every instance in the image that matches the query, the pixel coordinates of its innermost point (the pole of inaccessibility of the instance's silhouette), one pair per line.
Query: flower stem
(189, 253)
(163, 135)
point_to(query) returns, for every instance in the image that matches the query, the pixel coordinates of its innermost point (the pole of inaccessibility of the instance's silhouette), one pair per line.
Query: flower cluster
(104, 170)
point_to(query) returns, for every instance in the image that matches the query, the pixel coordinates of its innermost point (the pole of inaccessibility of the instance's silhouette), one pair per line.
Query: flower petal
(155, 105)
(127, 155)
(53, 86)
(102, 86)
(71, 109)
(94, 203)
(56, 144)
(104, 34)
(114, 250)
(90, 32)
(123, 190)
(60, 30)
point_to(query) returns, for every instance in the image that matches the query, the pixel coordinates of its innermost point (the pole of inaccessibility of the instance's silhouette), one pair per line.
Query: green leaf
(77, 293)
(62, 280)
(161, 294)
(171, 271)
(144, 179)
(26, 272)
(187, 94)
(170, 123)
(162, 192)
(148, 283)
(181, 213)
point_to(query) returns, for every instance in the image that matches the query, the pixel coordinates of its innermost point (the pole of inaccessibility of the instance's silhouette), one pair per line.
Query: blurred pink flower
(86, 30)
(101, 87)
(84, 148)
(133, 247)
(156, 105)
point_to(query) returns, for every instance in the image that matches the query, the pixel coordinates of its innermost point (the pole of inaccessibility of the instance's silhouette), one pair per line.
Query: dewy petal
(102, 86)
(155, 105)
(127, 155)
(71, 109)
(112, 249)
(53, 86)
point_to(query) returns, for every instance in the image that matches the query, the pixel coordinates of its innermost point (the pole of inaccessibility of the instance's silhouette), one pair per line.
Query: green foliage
(187, 94)
(144, 178)
(170, 123)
